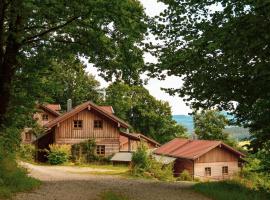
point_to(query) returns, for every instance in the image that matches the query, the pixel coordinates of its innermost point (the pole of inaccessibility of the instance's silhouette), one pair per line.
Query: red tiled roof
(191, 149)
(80, 108)
(55, 107)
(108, 109)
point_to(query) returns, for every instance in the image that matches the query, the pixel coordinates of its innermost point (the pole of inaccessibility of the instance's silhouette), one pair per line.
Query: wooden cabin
(44, 114)
(203, 159)
(90, 121)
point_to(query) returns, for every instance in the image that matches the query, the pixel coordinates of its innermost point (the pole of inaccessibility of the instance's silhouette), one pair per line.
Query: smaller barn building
(203, 159)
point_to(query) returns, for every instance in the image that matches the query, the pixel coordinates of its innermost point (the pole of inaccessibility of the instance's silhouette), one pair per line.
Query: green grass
(14, 179)
(109, 195)
(230, 190)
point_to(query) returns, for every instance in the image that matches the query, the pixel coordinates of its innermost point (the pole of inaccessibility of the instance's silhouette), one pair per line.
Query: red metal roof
(191, 149)
(108, 109)
(55, 107)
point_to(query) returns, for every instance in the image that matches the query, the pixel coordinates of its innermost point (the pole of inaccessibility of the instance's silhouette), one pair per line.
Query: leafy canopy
(221, 50)
(145, 113)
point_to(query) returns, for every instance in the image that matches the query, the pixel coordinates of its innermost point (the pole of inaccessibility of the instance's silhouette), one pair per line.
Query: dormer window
(98, 124)
(45, 117)
(78, 124)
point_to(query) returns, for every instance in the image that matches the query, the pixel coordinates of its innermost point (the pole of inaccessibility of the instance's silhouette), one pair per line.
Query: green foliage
(110, 195)
(58, 154)
(219, 48)
(12, 178)
(27, 152)
(84, 152)
(140, 160)
(224, 190)
(184, 176)
(143, 165)
(145, 113)
(209, 125)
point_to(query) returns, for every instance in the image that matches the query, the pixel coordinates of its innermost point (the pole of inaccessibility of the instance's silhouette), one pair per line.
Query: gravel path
(74, 183)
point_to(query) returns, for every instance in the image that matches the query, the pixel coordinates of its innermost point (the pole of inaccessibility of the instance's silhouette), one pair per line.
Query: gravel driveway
(74, 183)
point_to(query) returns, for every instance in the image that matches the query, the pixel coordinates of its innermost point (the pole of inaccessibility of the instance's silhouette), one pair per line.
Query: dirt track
(73, 183)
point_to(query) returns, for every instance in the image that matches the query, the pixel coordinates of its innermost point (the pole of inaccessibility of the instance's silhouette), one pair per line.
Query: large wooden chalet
(86, 121)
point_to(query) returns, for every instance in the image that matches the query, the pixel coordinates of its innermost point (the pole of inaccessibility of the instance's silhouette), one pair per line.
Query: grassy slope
(229, 190)
(14, 179)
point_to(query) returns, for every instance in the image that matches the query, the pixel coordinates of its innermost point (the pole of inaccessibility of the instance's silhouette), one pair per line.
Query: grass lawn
(229, 190)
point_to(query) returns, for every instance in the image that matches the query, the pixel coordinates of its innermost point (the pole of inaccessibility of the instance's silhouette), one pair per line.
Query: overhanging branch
(34, 37)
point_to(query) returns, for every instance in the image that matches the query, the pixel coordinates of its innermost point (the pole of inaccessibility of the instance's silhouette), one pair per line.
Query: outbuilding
(203, 159)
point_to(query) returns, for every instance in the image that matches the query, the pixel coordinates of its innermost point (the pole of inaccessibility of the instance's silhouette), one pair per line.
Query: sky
(152, 8)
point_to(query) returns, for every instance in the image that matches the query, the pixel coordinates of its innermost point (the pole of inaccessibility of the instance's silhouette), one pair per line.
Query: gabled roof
(109, 109)
(48, 109)
(86, 105)
(192, 149)
(138, 137)
(55, 107)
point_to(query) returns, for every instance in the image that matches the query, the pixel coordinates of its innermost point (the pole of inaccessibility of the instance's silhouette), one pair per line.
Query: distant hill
(236, 132)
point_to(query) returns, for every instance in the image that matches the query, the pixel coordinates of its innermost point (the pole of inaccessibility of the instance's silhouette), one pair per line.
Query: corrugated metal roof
(122, 157)
(163, 159)
(108, 109)
(191, 149)
(55, 107)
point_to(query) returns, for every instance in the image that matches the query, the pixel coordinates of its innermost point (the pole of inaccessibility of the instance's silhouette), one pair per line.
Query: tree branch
(33, 38)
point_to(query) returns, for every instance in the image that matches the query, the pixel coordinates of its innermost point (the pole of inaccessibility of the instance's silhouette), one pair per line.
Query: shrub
(14, 179)
(140, 158)
(145, 166)
(185, 176)
(58, 154)
(27, 152)
(84, 152)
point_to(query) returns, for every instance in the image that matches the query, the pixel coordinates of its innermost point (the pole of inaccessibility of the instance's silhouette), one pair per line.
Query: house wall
(182, 164)
(38, 117)
(133, 143)
(65, 133)
(216, 159)
(26, 140)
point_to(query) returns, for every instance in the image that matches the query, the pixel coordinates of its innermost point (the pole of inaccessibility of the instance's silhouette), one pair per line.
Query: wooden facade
(221, 163)
(108, 135)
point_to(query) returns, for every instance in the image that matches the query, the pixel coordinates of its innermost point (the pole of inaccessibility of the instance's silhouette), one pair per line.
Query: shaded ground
(74, 183)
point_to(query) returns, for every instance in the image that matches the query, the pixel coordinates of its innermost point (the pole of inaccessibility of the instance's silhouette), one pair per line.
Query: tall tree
(145, 113)
(221, 49)
(210, 125)
(103, 31)
(67, 79)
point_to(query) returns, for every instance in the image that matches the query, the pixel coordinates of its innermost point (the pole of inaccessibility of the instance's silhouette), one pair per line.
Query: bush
(58, 154)
(14, 179)
(84, 152)
(140, 159)
(145, 166)
(27, 152)
(184, 176)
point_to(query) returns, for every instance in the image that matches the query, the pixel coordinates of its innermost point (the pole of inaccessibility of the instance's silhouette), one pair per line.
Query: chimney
(69, 105)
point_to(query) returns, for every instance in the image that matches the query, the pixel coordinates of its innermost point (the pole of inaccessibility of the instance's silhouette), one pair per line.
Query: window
(98, 123)
(45, 117)
(225, 170)
(28, 136)
(100, 149)
(77, 124)
(208, 171)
